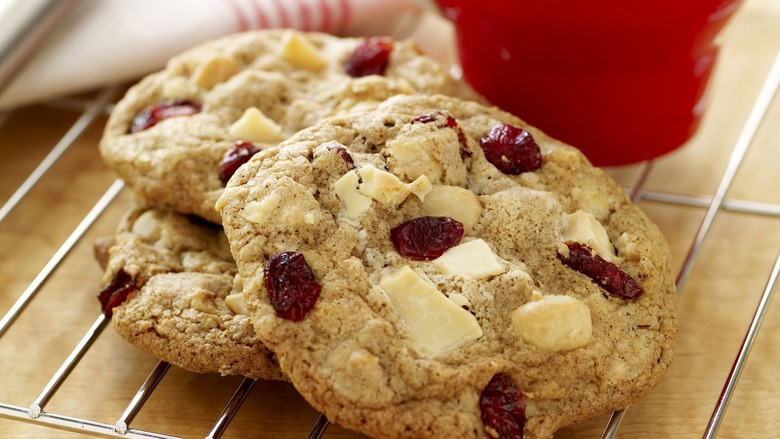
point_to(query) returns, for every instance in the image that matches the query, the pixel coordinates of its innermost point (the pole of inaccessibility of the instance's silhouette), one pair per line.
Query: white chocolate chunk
(258, 211)
(147, 225)
(629, 247)
(554, 323)
(409, 155)
(236, 304)
(235, 300)
(473, 259)
(421, 187)
(254, 126)
(382, 185)
(296, 216)
(455, 202)
(346, 189)
(584, 228)
(300, 52)
(459, 299)
(437, 324)
(215, 70)
(238, 284)
(386, 188)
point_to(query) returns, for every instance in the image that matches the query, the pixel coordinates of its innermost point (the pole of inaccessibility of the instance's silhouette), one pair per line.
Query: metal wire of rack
(92, 108)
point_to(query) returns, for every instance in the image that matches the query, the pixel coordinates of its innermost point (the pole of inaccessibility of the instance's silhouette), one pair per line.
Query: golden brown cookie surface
(398, 325)
(168, 137)
(180, 308)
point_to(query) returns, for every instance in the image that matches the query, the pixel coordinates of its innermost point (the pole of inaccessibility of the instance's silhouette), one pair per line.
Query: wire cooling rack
(90, 112)
(53, 369)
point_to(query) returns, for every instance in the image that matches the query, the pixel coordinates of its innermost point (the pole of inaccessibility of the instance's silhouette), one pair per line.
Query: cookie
(177, 135)
(168, 284)
(438, 268)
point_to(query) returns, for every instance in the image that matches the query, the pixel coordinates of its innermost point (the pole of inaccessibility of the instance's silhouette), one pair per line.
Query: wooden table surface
(716, 304)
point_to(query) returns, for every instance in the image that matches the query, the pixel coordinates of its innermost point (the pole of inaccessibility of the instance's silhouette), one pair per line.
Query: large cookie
(176, 275)
(552, 303)
(169, 135)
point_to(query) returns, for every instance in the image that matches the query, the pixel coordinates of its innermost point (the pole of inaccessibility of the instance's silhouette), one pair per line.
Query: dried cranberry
(449, 122)
(291, 285)
(584, 260)
(371, 57)
(502, 406)
(149, 116)
(236, 156)
(119, 287)
(512, 150)
(344, 154)
(427, 237)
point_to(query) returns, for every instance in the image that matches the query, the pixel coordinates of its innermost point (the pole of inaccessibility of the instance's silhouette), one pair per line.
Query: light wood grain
(715, 307)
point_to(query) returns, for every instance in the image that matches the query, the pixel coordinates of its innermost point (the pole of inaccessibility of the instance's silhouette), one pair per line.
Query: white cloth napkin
(109, 41)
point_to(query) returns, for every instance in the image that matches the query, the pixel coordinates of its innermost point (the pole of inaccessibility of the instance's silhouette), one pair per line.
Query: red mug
(623, 81)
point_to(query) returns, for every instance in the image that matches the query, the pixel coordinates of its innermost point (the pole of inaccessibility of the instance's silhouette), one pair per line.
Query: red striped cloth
(117, 40)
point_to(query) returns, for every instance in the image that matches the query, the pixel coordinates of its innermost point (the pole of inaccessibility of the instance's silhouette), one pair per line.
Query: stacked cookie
(240, 94)
(418, 265)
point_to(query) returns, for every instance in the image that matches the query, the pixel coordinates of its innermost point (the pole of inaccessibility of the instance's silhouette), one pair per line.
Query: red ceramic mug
(621, 80)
